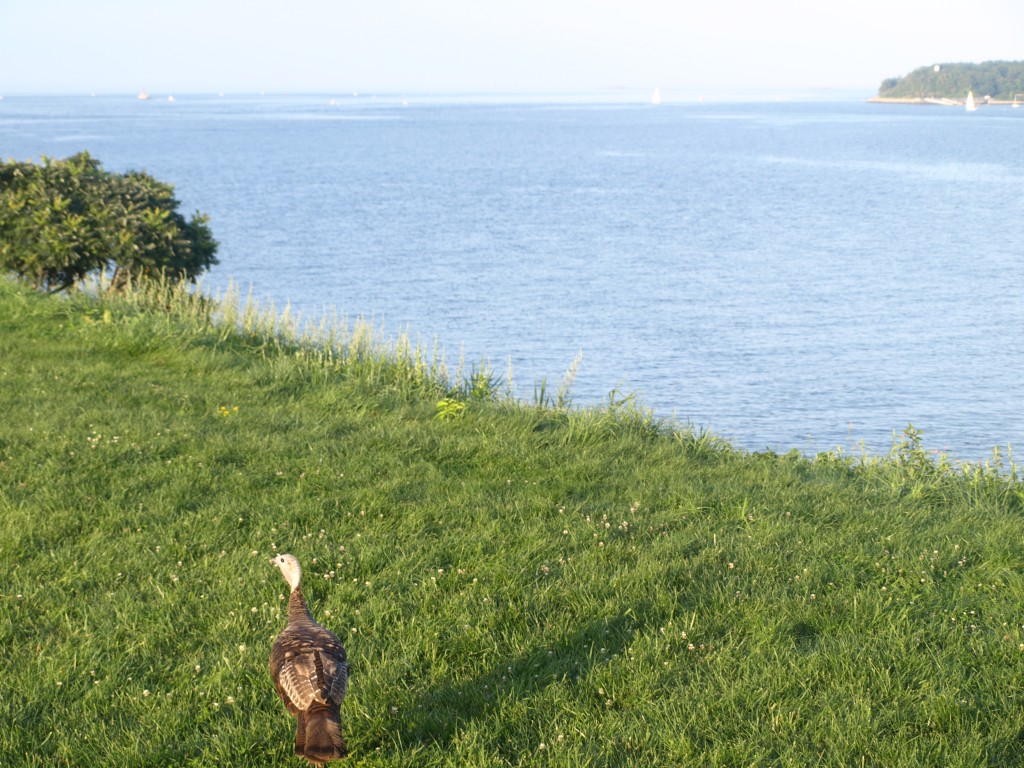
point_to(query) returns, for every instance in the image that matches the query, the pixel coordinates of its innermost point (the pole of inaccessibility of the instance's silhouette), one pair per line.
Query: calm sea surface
(789, 275)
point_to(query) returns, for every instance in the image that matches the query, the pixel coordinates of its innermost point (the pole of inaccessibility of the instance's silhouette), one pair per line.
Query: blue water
(789, 275)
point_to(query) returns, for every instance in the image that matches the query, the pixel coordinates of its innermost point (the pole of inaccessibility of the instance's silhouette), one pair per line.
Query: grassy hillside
(516, 585)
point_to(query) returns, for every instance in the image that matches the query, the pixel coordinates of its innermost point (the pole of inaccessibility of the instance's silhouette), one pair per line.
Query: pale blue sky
(401, 46)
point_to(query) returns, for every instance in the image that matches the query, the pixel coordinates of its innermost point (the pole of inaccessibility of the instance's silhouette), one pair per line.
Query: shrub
(62, 221)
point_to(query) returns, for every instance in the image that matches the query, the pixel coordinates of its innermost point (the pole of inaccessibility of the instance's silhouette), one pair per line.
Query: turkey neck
(298, 613)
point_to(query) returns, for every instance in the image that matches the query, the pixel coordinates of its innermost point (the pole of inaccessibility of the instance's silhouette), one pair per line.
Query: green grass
(517, 584)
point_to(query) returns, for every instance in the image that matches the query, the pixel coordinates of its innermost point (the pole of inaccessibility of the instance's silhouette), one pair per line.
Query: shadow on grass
(442, 711)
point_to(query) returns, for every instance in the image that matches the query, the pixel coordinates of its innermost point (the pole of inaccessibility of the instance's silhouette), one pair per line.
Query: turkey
(310, 673)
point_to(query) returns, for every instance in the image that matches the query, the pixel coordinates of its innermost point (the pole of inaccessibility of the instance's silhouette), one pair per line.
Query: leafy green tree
(1001, 80)
(64, 220)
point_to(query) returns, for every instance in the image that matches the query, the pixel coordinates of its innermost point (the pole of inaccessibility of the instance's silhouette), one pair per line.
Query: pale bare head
(290, 569)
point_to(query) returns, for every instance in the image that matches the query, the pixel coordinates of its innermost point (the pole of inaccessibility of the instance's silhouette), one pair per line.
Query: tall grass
(324, 345)
(517, 583)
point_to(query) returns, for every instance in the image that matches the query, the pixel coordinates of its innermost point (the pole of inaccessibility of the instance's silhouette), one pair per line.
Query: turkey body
(310, 673)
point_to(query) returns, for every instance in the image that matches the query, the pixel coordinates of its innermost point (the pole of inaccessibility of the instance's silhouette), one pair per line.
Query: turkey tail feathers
(323, 739)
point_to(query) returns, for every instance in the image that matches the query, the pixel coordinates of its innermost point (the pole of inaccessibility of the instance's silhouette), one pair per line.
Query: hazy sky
(340, 46)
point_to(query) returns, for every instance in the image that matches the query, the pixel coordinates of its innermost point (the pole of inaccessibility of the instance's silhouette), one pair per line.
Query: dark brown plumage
(310, 672)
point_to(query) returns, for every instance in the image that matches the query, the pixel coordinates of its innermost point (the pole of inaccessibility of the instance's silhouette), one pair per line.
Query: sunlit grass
(517, 583)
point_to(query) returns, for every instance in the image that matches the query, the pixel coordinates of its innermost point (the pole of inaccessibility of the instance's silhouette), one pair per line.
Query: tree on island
(62, 221)
(1000, 80)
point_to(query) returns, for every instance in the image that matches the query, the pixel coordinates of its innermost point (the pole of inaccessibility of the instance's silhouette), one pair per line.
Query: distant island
(990, 82)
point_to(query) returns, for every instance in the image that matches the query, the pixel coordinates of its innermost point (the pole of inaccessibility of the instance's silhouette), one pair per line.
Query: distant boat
(143, 95)
(656, 97)
(969, 105)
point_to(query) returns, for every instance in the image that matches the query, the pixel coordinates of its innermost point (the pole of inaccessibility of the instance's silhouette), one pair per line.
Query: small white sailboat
(656, 97)
(142, 95)
(969, 105)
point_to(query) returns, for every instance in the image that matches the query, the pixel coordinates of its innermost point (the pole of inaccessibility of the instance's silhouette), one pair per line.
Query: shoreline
(935, 101)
